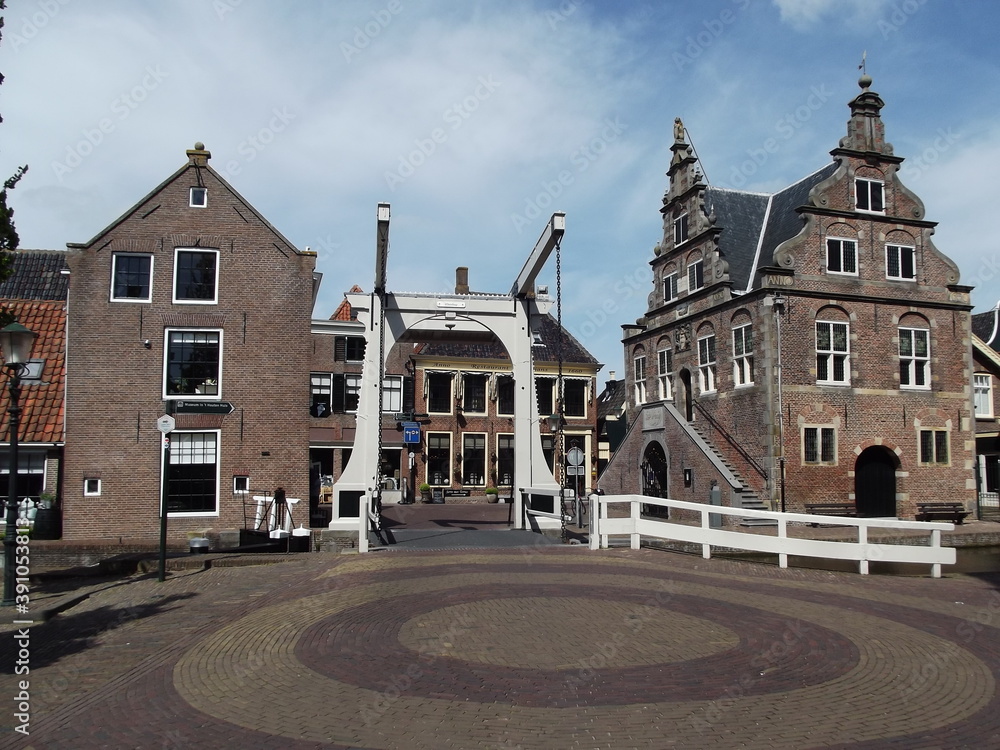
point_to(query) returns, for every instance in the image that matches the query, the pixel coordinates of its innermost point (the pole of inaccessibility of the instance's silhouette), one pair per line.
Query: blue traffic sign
(411, 432)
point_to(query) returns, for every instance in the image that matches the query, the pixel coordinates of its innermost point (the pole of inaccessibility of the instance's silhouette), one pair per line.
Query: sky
(477, 120)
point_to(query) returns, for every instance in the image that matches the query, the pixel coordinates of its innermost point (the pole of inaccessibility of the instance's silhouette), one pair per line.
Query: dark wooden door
(875, 483)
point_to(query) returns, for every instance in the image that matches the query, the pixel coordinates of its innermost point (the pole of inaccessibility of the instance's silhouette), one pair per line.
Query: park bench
(954, 512)
(831, 509)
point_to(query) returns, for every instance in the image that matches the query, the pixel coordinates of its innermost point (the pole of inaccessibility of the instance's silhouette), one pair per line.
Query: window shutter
(338, 395)
(340, 349)
(409, 401)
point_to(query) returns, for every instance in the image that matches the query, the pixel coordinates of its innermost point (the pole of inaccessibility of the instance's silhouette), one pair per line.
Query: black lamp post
(15, 342)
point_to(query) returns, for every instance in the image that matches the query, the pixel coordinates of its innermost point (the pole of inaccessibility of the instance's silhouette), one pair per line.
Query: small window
(832, 353)
(33, 371)
(545, 389)
(914, 358)
(983, 387)
(131, 277)
(505, 394)
(349, 349)
(680, 229)
(933, 446)
(392, 394)
(575, 398)
(474, 393)
(670, 287)
(241, 485)
(743, 355)
(664, 373)
(696, 275)
(869, 196)
(706, 364)
(352, 391)
(819, 445)
(841, 256)
(91, 487)
(321, 390)
(438, 393)
(639, 375)
(900, 262)
(199, 197)
(196, 276)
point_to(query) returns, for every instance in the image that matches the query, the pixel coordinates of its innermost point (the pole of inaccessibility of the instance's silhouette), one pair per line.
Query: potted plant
(492, 495)
(425, 493)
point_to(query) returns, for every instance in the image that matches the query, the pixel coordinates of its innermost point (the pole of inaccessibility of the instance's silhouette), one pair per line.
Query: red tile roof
(42, 402)
(343, 312)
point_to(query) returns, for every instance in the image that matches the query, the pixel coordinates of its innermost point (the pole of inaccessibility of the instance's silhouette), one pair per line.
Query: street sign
(203, 407)
(411, 432)
(575, 456)
(574, 471)
(166, 424)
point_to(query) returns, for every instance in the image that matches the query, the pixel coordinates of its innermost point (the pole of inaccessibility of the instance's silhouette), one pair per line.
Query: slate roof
(37, 275)
(612, 399)
(749, 220)
(42, 401)
(548, 330)
(985, 326)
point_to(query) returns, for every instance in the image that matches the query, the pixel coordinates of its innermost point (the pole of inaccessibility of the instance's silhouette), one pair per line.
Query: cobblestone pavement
(547, 647)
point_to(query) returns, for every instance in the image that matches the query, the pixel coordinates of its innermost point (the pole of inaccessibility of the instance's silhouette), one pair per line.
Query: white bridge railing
(602, 527)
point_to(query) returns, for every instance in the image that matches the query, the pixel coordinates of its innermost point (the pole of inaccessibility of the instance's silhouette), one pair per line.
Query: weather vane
(862, 67)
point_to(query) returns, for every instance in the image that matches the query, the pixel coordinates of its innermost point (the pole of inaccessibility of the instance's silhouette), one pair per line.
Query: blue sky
(476, 120)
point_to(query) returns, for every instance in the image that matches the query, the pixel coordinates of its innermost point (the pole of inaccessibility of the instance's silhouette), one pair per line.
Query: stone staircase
(749, 499)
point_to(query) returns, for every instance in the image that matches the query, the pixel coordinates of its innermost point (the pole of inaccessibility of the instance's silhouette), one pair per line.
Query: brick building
(985, 382)
(806, 346)
(188, 303)
(35, 295)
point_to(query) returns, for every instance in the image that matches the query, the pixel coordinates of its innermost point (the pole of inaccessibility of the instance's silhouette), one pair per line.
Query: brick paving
(545, 647)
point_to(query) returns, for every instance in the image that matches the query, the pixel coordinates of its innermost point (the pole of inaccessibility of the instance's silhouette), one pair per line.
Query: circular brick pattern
(489, 632)
(807, 655)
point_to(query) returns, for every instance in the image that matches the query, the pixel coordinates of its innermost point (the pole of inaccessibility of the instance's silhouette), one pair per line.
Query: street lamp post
(15, 342)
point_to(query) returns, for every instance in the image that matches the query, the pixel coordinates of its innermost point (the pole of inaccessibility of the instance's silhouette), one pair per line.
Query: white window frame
(743, 355)
(681, 229)
(241, 484)
(485, 376)
(586, 397)
(831, 354)
(664, 373)
(694, 270)
(898, 251)
(392, 386)
(114, 269)
(935, 459)
(196, 192)
(510, 377)
(92, 490)
(174, 439)
(639, 376)
(911, 364)
(840, 255)
(486, 460)
(449, 463)
(670, 287)
(818, 431)
(706, 364)
(173, 290)
(863, 187)
(321, 384)
(217, 396)
(982, 394)
(513, 449)
(352, 385)
(451, 391)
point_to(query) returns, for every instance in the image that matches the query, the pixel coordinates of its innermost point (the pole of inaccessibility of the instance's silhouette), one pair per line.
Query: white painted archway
(507, 318)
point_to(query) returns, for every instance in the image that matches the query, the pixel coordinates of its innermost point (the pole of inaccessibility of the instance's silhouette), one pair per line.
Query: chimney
(611, 376)
(462, 280)
(198, 156)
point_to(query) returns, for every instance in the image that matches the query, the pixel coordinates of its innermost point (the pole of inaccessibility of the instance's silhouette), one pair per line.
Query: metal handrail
(729, 439)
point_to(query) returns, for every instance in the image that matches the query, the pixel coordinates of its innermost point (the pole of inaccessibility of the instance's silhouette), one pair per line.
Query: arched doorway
(654, 477)
(875, 483)
(686, 394)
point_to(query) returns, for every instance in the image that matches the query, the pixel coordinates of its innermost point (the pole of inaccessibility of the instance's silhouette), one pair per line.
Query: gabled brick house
(985, 385)
(810, 346)
(188, 303)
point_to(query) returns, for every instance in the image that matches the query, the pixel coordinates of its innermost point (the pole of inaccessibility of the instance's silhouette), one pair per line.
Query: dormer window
(869, 196)
(199, 197)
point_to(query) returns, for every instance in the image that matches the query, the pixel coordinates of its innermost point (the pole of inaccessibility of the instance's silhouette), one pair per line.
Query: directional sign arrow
(203, 407)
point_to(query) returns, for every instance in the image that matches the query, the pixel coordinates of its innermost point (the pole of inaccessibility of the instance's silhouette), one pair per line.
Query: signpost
(411, 432)
(166, 425)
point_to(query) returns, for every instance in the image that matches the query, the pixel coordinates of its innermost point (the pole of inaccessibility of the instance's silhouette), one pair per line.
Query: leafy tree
(8, 234)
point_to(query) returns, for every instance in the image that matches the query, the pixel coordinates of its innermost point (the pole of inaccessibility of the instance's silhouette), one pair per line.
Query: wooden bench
(954, 512)
(831, 509)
